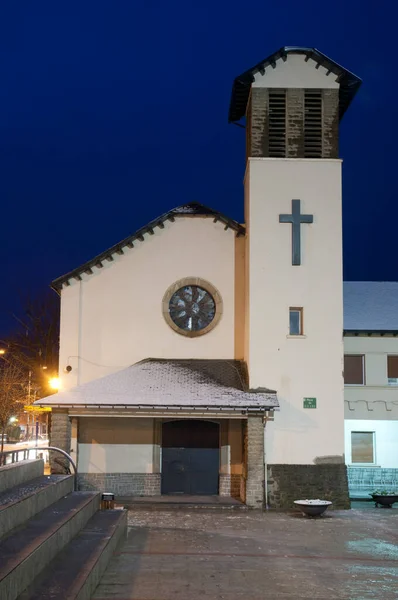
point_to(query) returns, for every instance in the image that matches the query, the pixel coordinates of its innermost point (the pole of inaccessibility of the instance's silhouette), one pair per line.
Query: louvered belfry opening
(312, 124)
(292, 123)
(277, 123)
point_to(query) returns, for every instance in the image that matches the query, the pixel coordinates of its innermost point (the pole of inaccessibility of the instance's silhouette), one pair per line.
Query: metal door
(190, 457)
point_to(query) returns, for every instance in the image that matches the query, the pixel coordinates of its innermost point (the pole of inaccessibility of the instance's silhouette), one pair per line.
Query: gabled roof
(371, 307)
(161, 384)
(349, 83)
(190, 209)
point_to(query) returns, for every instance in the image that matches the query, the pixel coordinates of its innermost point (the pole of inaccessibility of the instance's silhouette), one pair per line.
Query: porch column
(255, 463)
(60, 437)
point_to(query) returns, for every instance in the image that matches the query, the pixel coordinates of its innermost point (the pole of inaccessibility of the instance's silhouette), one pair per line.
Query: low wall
(229, 485)
(362, 481)
(287, 483)
(121, 484)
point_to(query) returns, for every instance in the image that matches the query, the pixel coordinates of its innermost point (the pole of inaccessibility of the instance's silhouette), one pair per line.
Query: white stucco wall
(376, 400)
(385, 441)
(295, 72)
(115, 458)
(116, 445)
(308, 366)
(114, 318)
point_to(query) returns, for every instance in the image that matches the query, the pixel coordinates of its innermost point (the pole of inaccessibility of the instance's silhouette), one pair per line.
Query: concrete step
(27, 550)
(23, 501)
(20, 472)
(171, 507)
(167, 503)
(76, 571)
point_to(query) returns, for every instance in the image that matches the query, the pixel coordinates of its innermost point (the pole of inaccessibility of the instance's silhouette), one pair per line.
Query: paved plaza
(244, 555)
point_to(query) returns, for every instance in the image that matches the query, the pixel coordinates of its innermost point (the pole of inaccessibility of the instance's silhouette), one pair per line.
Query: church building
(220, 371)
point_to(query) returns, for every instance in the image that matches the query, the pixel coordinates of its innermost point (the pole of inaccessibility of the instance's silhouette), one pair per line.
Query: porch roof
(177, 384)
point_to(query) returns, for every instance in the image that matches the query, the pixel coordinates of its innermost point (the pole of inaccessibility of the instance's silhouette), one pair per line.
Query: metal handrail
(15, 458)
(14, 455)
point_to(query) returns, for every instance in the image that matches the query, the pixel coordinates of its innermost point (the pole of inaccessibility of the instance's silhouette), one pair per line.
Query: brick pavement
(192, 555)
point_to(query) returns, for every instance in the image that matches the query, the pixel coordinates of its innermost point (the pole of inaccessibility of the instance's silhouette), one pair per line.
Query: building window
(192, 306)
(295, 321)
(392, 369)
(362, 447)
(354, 372)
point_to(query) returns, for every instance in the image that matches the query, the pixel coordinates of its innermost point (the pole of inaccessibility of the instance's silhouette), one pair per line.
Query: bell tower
(293, 103)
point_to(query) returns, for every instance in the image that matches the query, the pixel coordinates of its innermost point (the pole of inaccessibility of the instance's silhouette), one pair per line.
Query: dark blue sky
(113, 112)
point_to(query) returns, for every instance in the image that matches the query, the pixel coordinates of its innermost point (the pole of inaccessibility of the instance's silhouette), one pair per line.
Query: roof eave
(162, 408)
(369, 332)
(129, 241)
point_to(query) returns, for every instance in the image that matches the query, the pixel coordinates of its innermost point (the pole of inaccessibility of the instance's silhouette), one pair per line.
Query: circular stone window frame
(202, 283)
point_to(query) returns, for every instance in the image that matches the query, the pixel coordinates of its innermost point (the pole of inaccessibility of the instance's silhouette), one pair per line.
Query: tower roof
(349, 83)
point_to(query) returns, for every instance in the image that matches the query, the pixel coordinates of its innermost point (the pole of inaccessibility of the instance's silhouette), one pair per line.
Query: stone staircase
(54, 542)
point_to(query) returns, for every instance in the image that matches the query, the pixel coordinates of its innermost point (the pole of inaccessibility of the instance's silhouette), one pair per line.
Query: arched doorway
(190, 457)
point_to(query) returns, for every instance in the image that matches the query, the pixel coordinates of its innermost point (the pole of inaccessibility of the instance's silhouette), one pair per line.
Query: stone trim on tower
(295, 123)
(330, 136)
(256, 123)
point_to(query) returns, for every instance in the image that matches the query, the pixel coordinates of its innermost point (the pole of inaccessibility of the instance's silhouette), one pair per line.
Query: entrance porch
(175, 457)
(167, 426)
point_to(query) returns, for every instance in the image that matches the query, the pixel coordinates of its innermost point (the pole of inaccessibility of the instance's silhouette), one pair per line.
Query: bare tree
(12, 393)
(35, 343)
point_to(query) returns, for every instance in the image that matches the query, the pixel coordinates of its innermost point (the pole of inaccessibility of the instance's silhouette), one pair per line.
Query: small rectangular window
(354, 369)
(392, 369)
(295, 321)
(362, 447)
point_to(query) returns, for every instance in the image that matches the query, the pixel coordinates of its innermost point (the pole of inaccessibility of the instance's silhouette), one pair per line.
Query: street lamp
(54, 383)
(4, 346)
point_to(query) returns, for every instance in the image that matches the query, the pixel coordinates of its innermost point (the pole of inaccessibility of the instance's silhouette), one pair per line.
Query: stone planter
(385, 500)
(312, 508)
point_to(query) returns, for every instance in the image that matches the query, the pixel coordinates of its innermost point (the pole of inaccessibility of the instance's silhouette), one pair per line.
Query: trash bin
(107, 501)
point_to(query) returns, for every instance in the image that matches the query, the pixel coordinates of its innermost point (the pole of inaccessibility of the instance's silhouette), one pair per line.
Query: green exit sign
(309, 403)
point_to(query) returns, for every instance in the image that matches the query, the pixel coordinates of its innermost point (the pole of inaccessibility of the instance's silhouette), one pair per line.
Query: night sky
(113, 112)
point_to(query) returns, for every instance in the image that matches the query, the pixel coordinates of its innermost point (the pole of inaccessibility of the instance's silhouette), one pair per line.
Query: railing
(362, 481)
(13, 456)
(8, 457)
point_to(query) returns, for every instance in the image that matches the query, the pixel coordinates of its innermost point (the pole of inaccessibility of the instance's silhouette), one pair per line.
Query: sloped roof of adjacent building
(349, 83)
(163, 384)
(371, 306)
(185, 210)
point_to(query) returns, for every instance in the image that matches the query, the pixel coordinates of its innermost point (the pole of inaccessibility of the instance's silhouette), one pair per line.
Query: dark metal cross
(296, 219)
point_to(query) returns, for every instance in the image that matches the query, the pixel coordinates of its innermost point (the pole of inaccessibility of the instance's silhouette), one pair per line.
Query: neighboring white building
(371, 385)
(195, 355)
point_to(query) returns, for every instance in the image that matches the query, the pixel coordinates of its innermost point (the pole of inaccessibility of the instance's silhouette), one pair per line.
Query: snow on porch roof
(161, 384)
